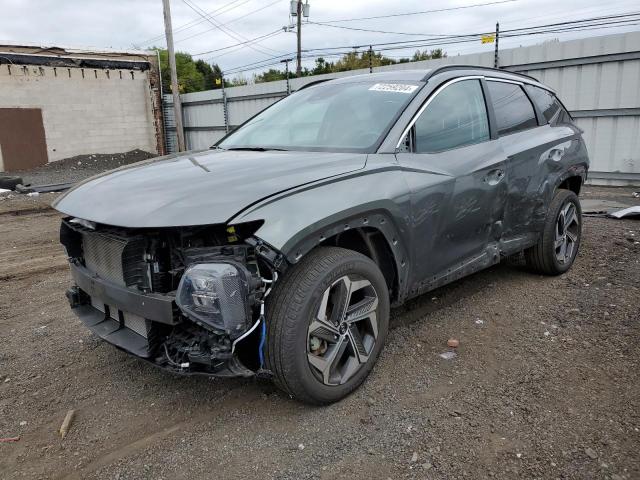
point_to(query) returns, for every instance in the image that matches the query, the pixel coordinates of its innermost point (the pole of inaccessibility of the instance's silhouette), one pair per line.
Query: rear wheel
(327, 323)
(558, 245)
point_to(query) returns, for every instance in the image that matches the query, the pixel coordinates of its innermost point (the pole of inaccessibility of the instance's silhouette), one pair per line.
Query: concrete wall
(597, 78)
(84, 110)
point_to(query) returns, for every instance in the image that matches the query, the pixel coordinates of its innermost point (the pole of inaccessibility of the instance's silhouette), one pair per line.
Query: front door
(456, 175)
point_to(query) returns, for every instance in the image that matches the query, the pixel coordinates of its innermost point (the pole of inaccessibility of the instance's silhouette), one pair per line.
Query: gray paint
(443, 215)
(197, 188)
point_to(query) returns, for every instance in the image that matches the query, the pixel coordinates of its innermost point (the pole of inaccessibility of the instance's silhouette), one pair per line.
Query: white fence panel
(597, 79)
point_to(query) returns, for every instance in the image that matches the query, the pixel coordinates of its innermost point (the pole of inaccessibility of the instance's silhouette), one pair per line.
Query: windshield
(332, 117)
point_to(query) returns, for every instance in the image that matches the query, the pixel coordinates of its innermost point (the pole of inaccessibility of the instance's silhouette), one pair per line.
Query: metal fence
(597, 78)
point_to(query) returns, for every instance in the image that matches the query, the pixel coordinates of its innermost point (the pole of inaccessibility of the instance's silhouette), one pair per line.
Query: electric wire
(196, 22)
(265, 36)
(229, 22)
(558, 27)
(461, 7)
(226, 30)
(478, 34)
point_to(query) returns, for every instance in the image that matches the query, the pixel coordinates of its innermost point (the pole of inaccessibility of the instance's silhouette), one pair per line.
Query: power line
(198, 21)
(322, 24)
(226, 30)
(401, 45)
(461, 7)
(560, 27)
(265, 36)
(230, 21)
(236, 49)
(478, 34)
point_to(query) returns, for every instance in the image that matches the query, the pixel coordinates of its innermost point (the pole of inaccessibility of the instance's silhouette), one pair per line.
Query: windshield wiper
(258, 149)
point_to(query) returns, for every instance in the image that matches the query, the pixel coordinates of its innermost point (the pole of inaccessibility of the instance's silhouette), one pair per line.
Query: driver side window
(456, 117)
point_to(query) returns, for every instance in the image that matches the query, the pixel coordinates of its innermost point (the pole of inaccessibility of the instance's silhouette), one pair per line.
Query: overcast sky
(138, 23)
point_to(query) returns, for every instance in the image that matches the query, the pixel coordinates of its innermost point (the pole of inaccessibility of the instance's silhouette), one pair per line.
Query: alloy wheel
(567, 231)
(343, 333)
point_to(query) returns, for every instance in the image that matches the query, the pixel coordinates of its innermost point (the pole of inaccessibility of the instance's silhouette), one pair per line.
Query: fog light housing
(215, 296)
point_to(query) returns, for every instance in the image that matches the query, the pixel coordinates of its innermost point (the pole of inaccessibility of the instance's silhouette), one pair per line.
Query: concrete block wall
(84, 110)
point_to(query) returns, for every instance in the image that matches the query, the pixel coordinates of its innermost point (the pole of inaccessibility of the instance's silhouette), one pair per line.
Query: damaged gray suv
(279, 251)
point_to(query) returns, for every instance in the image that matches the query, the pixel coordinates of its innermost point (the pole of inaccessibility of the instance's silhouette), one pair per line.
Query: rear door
(456, 176)
(534, 153)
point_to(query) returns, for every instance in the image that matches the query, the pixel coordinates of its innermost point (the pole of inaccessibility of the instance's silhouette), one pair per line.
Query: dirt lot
(545, 383)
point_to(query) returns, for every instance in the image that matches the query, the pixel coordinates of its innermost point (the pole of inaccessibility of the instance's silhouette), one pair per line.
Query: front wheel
(327, 322)
(558, 245)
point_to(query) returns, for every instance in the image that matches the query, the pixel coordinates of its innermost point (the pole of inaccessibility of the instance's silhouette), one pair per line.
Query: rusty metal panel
(22, 139)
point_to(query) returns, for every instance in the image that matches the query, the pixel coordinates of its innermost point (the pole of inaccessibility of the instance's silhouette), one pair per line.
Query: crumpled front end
(186, 299)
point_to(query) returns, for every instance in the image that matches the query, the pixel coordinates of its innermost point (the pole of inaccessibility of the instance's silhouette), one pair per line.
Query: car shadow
(418, 308)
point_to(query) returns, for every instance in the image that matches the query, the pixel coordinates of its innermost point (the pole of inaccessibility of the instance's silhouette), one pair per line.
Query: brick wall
(85, 110)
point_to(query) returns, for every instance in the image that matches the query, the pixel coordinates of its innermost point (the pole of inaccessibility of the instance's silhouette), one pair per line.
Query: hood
(197, 188)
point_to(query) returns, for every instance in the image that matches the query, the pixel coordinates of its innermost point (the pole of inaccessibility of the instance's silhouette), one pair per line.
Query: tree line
(198, 75)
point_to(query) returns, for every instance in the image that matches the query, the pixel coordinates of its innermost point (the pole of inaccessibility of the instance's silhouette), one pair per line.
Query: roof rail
(443, 68)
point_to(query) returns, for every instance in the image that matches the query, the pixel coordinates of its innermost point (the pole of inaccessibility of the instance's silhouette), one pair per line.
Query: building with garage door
(57, 103)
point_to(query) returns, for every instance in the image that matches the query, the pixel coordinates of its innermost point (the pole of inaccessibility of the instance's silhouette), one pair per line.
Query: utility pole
(370, 59)
(225, 107)
(286, 69)
(298, 9)
(299, 33)
(496, 60)
(177, 108)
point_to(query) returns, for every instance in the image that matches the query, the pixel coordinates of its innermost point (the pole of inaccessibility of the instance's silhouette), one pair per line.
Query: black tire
(292, 306)
(543, 258)
(9, 182)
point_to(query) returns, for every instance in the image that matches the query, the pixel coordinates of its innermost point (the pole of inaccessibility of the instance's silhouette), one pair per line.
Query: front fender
(299, 220)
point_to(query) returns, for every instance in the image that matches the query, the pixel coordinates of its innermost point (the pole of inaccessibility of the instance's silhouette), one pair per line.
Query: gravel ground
(545, 383)
(80, 167)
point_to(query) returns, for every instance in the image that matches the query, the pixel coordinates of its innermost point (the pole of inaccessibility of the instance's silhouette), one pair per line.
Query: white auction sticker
(394, 87)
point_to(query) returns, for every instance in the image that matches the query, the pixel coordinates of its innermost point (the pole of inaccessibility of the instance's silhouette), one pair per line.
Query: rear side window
(546, 101)
(457, 116)
(514, 112)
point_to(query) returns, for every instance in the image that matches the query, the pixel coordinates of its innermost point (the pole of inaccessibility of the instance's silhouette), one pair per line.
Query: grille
(103, 255)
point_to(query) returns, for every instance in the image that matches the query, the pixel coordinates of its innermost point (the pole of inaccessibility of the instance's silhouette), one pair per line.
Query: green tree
(426, 55)
(236, 81)
(210, 73)
(355, 60)
(270, 75)
(322, 67)
(192, 76)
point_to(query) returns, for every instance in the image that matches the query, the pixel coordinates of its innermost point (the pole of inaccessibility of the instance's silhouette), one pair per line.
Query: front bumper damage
(151, 325)
(112, 322)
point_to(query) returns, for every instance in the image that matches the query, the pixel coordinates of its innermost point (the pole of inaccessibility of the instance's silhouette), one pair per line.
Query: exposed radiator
(116, 259)
(132, 321)
(103, 255)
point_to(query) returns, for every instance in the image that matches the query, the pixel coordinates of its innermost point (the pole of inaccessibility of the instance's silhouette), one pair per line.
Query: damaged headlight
(216, 295)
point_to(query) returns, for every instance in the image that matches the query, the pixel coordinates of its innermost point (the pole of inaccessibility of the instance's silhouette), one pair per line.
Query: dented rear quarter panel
(538, 160)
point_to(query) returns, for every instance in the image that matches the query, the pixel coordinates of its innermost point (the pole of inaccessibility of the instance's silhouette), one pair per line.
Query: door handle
(494, 176)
